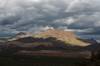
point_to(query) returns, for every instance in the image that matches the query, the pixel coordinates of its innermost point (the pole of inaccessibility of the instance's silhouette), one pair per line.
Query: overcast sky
(36, 15)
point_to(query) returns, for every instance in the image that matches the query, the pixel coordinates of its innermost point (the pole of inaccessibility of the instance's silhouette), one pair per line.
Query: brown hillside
(67, 36)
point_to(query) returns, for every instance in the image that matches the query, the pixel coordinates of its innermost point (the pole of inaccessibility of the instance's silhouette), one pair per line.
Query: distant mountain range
(67, 37)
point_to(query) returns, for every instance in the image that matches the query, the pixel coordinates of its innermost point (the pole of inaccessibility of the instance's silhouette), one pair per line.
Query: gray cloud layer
(35, 15)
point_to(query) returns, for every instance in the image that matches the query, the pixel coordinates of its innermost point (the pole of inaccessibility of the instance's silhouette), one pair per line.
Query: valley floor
(46, 61)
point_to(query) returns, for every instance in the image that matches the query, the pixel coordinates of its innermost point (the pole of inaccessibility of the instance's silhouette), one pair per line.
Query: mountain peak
(67, 36)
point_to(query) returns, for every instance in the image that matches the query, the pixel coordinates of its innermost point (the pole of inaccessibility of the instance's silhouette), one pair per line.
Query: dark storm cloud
(35, 15)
